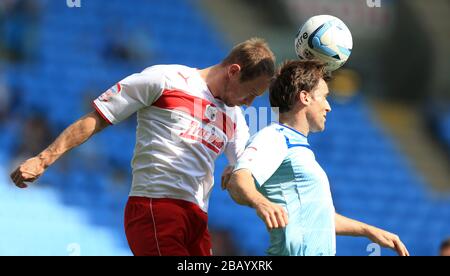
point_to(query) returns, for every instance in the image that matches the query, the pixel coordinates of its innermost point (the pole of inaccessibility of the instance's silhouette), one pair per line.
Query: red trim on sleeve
(101, 114)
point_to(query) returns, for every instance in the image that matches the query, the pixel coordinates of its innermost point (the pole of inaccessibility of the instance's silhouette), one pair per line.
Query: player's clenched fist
(29, 171)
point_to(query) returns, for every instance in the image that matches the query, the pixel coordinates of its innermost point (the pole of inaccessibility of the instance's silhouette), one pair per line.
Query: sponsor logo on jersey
(197, 133)
(211, 113)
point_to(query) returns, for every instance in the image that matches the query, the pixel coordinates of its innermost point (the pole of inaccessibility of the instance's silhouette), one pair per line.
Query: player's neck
(296, 121)
(213, 79)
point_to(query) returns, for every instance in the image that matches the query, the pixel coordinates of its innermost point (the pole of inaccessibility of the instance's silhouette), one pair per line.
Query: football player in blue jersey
(279, 176)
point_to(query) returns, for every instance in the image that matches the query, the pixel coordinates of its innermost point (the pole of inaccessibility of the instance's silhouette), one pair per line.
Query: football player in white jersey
(279, 166)
(186, 118)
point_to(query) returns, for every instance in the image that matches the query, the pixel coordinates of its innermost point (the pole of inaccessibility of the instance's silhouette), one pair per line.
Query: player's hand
(387, 239)
(226, 177)
(273, 215)
(29, 171)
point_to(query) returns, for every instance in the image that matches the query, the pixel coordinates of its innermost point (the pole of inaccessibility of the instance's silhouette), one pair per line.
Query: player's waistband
(180, 202)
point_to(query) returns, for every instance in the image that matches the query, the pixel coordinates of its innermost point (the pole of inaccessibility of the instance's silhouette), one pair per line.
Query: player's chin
(319, 128)
(322, 126)
(230, 104)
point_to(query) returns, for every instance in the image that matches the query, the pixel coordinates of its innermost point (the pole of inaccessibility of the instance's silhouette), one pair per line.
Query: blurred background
(386, 147)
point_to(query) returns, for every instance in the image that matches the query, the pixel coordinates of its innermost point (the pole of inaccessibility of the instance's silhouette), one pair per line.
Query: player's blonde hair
(255, 58)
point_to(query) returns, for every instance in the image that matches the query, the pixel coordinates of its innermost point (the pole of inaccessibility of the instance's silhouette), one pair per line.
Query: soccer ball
(326, 38)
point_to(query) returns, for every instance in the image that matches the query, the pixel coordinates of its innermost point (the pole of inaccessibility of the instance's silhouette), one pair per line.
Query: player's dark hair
(445, 244)
(293, 77)
(255, 58)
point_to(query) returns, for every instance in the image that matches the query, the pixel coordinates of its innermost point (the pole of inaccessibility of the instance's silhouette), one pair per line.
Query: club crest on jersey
(211, 113)
(105, 97)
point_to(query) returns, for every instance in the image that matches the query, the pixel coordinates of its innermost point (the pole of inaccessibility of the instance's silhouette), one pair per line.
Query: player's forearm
(241, 187)
(73, 136)
(349, 227)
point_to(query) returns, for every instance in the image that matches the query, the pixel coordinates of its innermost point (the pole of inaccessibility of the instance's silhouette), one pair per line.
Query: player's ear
(234, 71)
(304, 97)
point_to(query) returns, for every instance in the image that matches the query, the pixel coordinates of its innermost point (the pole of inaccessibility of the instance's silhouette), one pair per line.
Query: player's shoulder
(272, 133)
(169, 70)
(274, 129)
(177, 76)
(290, 133)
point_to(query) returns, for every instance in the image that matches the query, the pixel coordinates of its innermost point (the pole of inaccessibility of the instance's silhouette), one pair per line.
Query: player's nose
(328, 107)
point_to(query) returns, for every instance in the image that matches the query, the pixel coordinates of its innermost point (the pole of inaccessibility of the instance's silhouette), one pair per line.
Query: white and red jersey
(181, 130)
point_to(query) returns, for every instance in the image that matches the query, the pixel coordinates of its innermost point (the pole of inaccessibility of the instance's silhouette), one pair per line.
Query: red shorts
(166, 227)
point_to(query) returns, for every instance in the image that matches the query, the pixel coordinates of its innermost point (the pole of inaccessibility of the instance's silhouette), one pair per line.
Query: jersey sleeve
(263, 155)
(129, 95)
(235, 148)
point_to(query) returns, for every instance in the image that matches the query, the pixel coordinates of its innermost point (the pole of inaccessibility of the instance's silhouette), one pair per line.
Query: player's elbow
(232, 187)
(235, 182)
(236, 187)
